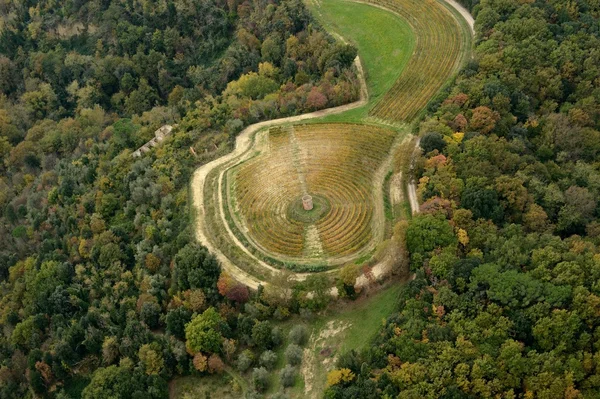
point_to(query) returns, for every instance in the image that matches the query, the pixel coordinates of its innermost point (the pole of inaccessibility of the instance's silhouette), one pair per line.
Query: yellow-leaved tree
(338, 376)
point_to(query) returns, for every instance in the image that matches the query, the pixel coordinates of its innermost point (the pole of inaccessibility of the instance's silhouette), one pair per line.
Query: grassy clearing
(384, 40)
(341, 329)
(208, 386)
(356, 325)
(365, 317)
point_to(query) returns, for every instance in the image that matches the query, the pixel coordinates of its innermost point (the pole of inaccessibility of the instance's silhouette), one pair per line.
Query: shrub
(261, 334)
(298, 335)
(276, 336)
(293, 354)
(245, 360)
(254, 395)
(260, 379)
(287, 376)
(268, 359)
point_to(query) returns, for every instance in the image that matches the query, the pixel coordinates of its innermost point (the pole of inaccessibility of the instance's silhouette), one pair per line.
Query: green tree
(245, 360)
(260, 379)
(432, 141)
(428, 232)
(151, 359)
(287, 376)
(196, 268)
(482, 201)
(298, 334)
(26, 334)
(141, 99)
(203, 333)
(293, 354)
(261, 334)
(268, 359)
(559, 331)
(271, 50)
(109, 383)
(176, 320)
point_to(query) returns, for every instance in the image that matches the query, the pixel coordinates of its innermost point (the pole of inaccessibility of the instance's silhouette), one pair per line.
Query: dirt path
(464, 13)
(412, 185)
(396, 189)
(310, 361)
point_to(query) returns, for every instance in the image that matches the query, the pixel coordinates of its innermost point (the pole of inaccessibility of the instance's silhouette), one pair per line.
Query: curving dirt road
(412, 185)
(243, 143)
(464, 13)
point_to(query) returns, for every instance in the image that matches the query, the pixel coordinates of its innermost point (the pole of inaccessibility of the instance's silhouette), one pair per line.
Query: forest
(105, 293)
(99, 269)
(506, 250)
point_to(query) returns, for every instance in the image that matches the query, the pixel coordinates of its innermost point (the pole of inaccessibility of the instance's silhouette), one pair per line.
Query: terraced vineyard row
(438, 53)
(335, 162)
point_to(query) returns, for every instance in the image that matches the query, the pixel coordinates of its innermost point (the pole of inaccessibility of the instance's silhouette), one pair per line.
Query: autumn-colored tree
(151, 359)
(536, 219)
(339, 376)
(215, 364)
(229, 348)
(348, 274)
(194, 300)
(200, 362)
(152, 263)
(45, 371)
(110, 350)
(483, 119)
(231, 289)
(315, 99)
(459, 123)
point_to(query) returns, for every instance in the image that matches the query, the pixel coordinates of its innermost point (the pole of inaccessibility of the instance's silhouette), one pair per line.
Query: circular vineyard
(336, 165)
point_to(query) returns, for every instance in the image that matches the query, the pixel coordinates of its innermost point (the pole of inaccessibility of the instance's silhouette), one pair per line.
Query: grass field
(384, 40)
(438, 54)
